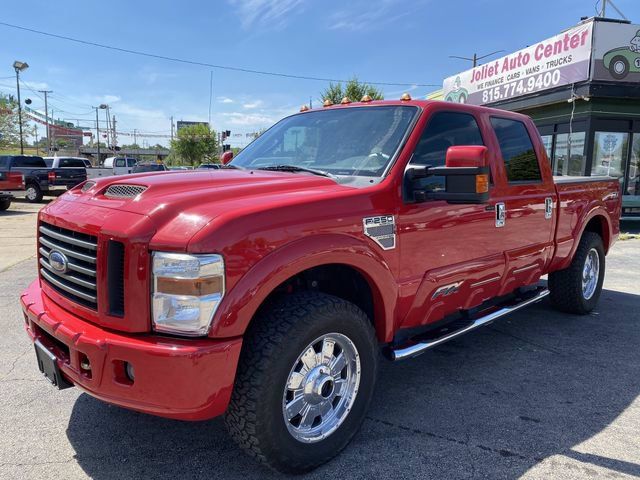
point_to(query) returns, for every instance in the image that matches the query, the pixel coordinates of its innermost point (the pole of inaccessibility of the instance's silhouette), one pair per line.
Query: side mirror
(466, 173)
(226, 157)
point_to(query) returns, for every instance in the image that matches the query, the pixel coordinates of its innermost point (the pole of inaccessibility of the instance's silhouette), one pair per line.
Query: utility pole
(53, 133)
(475, 58)
(172, 128)
(135, 137)
(46, 111)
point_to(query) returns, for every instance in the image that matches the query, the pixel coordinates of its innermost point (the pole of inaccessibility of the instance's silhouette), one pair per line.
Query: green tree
(354, 89)
(9, 122)
(196, 144)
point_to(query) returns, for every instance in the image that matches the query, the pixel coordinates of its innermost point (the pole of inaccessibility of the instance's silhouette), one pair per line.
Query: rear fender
(243, 300)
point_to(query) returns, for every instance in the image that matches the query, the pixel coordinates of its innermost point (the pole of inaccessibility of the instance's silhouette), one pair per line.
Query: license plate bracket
(48, 365)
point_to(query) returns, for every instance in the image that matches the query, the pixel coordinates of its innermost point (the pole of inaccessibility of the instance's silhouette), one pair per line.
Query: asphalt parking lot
(537, 395)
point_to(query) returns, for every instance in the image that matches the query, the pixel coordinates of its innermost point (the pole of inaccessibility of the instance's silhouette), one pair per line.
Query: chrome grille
(124, 191)
(77, 280)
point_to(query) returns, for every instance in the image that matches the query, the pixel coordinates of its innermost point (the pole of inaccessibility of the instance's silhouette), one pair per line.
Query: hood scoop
(121, 190)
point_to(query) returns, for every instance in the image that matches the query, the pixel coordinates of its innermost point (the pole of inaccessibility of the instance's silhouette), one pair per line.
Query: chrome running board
(422, 346)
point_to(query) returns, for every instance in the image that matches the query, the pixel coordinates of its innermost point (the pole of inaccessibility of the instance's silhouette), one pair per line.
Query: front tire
(305, 380)
(576, 289)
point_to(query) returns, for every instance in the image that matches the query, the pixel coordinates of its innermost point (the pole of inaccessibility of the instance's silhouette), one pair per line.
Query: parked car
(149, 167)
(41, 180)
(11, 183)
(113, 166)
(209, 166)
(267, 292)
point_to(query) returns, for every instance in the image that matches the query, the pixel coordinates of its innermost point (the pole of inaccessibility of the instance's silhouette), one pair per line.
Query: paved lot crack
(466, 443)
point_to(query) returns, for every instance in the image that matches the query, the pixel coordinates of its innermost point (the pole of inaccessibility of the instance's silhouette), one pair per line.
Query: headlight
(187, 290)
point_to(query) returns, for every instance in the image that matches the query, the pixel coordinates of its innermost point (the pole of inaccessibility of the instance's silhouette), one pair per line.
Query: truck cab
(266, 290)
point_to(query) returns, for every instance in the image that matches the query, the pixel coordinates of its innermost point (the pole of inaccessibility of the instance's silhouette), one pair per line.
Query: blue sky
(378, 41)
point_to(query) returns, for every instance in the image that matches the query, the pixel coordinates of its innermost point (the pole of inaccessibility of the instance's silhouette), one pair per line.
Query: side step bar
(418, 348)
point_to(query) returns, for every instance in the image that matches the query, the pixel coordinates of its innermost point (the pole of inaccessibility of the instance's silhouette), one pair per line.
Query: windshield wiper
(295, 168)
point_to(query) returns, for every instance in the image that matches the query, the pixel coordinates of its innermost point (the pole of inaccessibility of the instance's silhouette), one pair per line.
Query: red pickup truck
(10, 184)
(266, 290)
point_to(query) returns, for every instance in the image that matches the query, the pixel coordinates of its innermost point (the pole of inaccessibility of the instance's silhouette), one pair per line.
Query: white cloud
(272, 13)
(255, 104)
(225, 100)
(359, 16)
(110, 98)
(248, 120)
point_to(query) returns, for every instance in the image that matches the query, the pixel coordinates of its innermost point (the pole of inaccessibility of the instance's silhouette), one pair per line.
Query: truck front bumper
(187, 379)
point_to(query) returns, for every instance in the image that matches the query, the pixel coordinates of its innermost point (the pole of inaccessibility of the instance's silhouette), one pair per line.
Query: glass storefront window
(547, 141)
(610, 154)
(633, 179)
(570, 159)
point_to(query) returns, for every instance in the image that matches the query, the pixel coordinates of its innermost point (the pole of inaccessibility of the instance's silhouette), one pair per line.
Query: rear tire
(5, 203)
(276, 369)
(576, 289)
(34, 193)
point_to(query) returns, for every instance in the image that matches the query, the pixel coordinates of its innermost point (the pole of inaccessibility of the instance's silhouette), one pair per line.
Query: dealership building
(582, 89)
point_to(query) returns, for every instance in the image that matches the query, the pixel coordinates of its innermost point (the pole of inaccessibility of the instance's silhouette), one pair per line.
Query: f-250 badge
(382, 230)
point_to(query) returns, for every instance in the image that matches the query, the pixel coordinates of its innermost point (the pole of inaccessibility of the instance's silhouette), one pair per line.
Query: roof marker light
(366, 98)
(304, 108)
(405, 97)
(327, 103)
(345, 100)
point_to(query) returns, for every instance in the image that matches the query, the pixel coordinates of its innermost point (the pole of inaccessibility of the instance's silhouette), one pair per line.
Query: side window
(71, 163)
(120, 162)
(444, 130)
(520, 160)
(131, 162)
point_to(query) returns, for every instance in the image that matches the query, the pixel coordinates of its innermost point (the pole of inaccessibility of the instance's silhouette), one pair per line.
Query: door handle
(501, 215)
(548, 208)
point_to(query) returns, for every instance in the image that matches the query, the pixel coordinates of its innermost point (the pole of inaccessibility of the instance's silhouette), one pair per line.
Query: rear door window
(120, 162)
(29, 162)
(71, 162)
(131, 162)
(520, 160)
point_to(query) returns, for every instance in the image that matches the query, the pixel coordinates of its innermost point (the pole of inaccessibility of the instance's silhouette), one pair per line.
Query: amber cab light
(482, 183)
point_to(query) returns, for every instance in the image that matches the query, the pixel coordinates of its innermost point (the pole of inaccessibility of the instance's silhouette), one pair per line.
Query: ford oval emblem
(58, 261)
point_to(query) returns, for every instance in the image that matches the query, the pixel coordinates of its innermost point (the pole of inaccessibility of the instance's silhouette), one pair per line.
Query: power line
(204, 64)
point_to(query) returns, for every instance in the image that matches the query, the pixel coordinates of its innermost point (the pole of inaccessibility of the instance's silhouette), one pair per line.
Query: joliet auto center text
(582, 89)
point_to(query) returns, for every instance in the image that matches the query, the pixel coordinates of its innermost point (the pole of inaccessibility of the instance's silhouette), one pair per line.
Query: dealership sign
(557, 61)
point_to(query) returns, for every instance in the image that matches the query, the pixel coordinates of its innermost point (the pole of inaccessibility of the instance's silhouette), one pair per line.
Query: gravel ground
(536, 395)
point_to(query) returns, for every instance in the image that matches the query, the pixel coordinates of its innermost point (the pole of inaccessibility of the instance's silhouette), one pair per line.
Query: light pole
(102, 106)
(19, 67)
(475, 58)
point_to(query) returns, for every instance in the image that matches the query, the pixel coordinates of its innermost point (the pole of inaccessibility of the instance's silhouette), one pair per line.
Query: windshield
(358, 141)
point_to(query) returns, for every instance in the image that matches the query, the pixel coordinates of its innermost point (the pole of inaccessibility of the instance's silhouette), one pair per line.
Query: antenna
(603, 12)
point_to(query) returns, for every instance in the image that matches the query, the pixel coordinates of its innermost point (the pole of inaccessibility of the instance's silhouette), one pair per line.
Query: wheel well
(598, 224)
(342, 281)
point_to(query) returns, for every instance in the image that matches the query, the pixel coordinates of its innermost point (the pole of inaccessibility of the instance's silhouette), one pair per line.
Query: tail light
(52, 176)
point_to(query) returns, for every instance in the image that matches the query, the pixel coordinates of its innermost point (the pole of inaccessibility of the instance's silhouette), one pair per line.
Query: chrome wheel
(590, 274)
(31, 193)
(321, 388)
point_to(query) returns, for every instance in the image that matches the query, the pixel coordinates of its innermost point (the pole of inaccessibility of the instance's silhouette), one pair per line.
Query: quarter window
(444, 130)
(520, 160)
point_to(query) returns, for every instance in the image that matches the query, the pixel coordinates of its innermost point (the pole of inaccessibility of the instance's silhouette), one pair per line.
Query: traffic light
(226, 147)
(226, 134)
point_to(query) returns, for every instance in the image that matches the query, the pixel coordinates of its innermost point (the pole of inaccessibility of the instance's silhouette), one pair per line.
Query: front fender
(243, 300)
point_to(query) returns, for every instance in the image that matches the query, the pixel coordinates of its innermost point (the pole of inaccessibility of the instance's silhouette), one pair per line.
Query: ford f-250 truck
(265, 291)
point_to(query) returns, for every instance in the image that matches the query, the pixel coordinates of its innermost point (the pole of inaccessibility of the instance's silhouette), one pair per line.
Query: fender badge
(382, 230)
